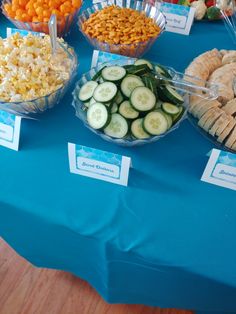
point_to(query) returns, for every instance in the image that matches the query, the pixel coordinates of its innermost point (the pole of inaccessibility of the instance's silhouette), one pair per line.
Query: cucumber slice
(155, 123)
(105, 92)
(113, 73)
(87, 90)
(172, 95)
(133, 75)
(169, 120)
(170, 108)
(178, 116)
(162, 70)
(128, 67)
(129, 83)
(97, 116)
(138, 69)
(118, 127)
(168, 117)
(127, 111)
(143, 61)
(114, 108)
(150, 82)
(143, 99)
(137, 129)
(119, 98)
(97, 75)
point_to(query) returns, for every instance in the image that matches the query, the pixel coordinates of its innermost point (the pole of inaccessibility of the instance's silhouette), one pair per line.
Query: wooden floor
(28, 290)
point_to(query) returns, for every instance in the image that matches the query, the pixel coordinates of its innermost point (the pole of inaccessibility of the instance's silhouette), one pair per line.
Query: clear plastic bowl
(39, 105)
(135, 50)
(81, 113)
(63, 24)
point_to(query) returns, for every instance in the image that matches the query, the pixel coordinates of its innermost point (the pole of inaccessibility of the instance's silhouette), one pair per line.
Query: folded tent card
(221, 169)
(9, 130)
(99, 164)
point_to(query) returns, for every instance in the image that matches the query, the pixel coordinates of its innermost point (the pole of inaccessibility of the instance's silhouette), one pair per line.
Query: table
(166, 240)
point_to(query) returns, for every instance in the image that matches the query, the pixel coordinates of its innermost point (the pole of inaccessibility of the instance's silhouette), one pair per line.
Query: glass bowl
(64, 24)
(210, 138)
(135, 50)
(81, 113)
(30, 107)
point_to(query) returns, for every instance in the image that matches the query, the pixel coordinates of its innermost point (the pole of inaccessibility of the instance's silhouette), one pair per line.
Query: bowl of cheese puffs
(129, 29)
(33, 15)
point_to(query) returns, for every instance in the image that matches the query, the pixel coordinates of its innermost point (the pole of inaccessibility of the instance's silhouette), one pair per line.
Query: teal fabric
(167, 239)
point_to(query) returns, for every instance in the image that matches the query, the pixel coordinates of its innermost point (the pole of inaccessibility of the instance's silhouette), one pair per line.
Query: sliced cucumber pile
(129, 101)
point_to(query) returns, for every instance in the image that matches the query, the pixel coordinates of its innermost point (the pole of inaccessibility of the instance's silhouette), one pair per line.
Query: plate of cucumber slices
(126, 102)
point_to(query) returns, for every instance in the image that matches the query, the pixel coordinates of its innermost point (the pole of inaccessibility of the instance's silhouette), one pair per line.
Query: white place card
(98, 164)
(9, 130)
(179, 18)
(221, 169)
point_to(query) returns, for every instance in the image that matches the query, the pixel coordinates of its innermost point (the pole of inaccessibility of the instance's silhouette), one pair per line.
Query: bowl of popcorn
(130, 28)
(33, 80)
(33, 15)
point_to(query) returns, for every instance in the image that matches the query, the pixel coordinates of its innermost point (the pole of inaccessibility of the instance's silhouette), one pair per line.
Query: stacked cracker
(217, 117)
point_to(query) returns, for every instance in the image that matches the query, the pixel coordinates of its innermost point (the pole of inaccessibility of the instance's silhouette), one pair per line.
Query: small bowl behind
(63, 25)
(134, 50)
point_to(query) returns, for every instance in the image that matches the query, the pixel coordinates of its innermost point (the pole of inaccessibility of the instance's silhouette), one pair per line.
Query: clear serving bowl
(210, 138)
(81, 113)
(30, 107)
(63, 24)
(135, 50)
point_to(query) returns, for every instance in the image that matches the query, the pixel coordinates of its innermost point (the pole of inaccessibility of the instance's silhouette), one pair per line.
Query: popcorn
(28, 70)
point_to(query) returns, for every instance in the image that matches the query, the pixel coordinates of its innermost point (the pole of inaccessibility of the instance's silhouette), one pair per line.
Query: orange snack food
(116, 25)
(41, 10)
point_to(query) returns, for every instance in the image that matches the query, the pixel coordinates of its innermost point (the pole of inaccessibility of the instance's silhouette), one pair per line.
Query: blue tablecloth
(166, 240)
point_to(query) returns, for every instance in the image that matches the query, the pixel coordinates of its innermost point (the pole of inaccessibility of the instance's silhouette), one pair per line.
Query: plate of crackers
(216, 119)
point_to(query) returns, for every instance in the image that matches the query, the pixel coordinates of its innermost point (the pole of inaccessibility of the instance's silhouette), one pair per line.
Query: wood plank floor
(25, 289)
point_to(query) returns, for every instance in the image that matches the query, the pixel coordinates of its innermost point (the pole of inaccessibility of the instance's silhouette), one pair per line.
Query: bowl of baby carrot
(33, 15)
(129, 28)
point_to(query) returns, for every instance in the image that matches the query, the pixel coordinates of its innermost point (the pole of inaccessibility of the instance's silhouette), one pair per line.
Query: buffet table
(166, 240)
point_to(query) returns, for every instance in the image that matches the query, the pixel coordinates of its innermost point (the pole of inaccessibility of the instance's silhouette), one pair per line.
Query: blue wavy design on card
(175, 9)
(23, 32)
(227, 159)
(104, 57)
(7, 118)
(98, 155)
